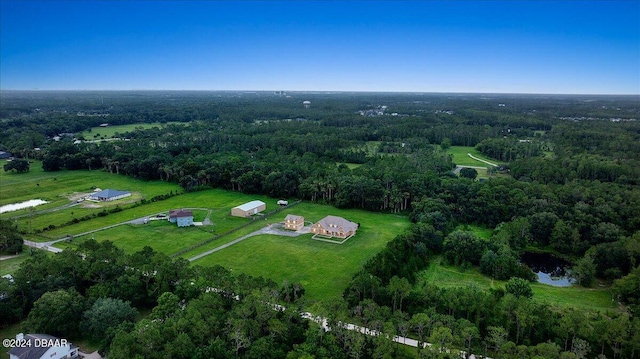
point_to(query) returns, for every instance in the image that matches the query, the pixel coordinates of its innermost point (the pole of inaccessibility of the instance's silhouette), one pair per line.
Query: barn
(248, 209)
(108, 195)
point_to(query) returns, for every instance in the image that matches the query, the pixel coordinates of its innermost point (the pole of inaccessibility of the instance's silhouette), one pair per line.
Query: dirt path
(2, 258)
(481, 160)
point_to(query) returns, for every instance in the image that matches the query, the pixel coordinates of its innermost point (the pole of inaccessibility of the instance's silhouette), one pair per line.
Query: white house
(41, 346)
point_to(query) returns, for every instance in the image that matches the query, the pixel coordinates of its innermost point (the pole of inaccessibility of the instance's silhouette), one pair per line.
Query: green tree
(19, 165)
(627, 289)
(167, 306)
(10, 241)
(445, 144)
(463, 246)
(420, 323)
(519, 288)
(441, 338)
(106, 314)
(57, 313)
(496, 337)
(584, 271)
(467, 172)
(399, 288)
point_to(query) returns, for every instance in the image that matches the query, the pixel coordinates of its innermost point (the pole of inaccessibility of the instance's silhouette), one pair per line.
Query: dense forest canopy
(567, 182)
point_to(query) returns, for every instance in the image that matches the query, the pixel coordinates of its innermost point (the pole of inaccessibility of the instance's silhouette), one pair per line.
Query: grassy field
(58, 187)
(219, 201)
(567, 297)
(461, 158)
(111, 131)
(8, 266)
(324, 269)
(160, 235)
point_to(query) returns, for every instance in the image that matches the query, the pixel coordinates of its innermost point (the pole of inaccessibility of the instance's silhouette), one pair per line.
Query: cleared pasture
(446, 276)
(114, 131)
(461, 157)
(218, 201)
(10, 264)
(324, 269)
(60, 186)
(161, 235)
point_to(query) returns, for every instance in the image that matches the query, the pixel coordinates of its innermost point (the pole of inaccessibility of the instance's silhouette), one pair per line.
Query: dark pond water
(551, 270)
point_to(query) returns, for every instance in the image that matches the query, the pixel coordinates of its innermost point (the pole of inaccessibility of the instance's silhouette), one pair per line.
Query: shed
(248, 209)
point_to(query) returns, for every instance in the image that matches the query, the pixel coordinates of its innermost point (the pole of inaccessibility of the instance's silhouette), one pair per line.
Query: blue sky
(581, 47)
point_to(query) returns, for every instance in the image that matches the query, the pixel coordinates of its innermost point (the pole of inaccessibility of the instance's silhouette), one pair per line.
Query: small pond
(550, 269)
(26, 204)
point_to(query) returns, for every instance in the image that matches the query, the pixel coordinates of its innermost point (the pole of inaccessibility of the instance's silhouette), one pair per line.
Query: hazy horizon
(463, 47)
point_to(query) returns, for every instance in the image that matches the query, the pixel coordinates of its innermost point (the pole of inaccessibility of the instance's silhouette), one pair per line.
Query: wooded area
(567, 183)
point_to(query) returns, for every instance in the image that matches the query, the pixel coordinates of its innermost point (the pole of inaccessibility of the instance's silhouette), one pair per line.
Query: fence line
(205, 242)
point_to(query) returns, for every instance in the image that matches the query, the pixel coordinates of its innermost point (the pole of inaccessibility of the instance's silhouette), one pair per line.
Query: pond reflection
(550, 269)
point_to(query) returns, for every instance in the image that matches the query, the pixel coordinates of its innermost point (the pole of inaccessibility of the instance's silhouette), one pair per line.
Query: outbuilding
(108, 195)
(248, 209)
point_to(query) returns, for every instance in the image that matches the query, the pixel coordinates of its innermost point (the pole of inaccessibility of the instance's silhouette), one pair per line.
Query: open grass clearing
(461, 157)
(324, 269)
(590, 299)
(117, 130)
(10, 265)
(162, 236)
(60, 187)
(218, 201)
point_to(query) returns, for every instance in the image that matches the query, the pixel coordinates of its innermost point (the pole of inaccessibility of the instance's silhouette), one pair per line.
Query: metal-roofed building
(248, 209)
(108, 195)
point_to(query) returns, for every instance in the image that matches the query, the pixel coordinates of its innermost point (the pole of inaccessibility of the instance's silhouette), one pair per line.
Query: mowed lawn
(57, 187)
(218, 201)
(324, 269)
(446, 276)
(461, 157)
(160, 235)
(111, 131)
(11, 263)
